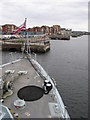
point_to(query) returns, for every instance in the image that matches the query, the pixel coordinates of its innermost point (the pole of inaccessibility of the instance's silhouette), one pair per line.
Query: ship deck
(42, 108)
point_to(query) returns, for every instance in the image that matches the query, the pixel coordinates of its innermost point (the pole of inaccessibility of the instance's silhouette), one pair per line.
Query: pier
(60, 37)
(39, 47)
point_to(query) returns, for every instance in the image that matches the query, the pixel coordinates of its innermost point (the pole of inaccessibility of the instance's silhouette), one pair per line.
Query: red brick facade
(8, 28)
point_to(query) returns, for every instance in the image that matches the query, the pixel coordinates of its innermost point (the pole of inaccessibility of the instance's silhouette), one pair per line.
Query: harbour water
(67, 63)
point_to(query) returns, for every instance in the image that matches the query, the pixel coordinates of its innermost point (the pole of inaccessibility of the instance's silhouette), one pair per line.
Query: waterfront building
(51, 30)
(30, 31)
(36, 30)
(66, 31)
(8, 28)
(56, 29)
(43, 29)
(47, 30)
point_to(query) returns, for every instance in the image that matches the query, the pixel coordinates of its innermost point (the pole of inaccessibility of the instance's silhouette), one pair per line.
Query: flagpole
(28, 44)
(26, 36)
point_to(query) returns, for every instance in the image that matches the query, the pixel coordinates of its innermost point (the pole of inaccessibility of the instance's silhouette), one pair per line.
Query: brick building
(56, 28)
(8, 28)
(45, 30)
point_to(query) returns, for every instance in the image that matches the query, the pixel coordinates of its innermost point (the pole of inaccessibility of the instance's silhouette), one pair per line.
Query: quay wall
(60, 37)
(34, 47)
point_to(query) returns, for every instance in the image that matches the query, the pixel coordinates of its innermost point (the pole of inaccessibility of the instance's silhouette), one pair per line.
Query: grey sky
(66, 13)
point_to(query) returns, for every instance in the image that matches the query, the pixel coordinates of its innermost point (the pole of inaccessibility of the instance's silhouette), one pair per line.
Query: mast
(28, 43)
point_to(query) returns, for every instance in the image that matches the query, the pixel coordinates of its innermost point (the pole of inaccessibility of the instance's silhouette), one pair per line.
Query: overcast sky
(67, 13)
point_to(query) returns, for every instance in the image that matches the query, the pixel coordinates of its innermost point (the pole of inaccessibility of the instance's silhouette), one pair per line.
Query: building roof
(8, 24)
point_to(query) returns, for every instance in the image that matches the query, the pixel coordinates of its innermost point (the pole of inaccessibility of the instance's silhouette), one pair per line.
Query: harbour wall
(60, 36)
(34, 47)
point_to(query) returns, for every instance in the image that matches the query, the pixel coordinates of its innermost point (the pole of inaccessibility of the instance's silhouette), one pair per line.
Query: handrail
(59, 99)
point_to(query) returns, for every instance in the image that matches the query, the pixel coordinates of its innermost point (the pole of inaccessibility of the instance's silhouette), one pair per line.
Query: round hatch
(30, 93)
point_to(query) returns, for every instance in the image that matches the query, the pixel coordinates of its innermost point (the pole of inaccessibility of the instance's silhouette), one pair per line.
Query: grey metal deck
(42, 108)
